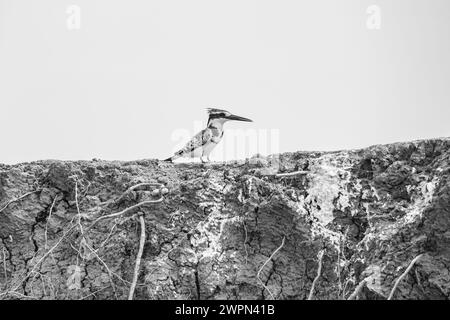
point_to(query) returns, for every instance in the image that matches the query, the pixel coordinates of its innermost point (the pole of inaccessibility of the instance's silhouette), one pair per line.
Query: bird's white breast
(202, 151)
(208, 147)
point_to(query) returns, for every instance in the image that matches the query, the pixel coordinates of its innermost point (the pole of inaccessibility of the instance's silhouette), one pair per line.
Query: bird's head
(220, 115)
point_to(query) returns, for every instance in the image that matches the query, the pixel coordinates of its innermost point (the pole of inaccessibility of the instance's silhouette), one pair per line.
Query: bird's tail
(175, 156)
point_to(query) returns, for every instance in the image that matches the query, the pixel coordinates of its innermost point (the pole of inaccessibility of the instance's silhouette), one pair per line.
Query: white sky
(137, 74)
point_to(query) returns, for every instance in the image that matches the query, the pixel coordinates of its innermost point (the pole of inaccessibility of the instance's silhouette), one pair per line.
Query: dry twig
(138, 258)
(93, 293)
(319, 271)
(40, 261)
(18, 294)
(245, 243)
(358, 288)
(78, 208)
(290, 174)
(267, 261)
(403, 275)
(19, 198)
(46, 223)
(106, 267)
(338, 264)
(124, 211)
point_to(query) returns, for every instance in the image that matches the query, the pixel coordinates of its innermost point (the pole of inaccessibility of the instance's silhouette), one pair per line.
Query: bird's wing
(199, 140)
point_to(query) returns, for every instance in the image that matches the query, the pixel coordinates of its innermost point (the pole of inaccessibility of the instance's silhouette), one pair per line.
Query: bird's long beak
(237, 118)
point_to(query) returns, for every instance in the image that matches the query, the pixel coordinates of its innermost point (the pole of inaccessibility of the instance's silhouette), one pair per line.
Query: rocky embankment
(361, 224)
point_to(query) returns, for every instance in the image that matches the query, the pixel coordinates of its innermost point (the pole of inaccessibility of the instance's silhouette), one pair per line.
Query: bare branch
(267, 261)
(106, 267)
(358, 288)
(138, 258)
(403, 275)
(124, 211)
(48, 218)
(78, 208)
(290, 174)
(319, 271)
(93, 293)
(245, 243)
(20, 295)
(19, 198)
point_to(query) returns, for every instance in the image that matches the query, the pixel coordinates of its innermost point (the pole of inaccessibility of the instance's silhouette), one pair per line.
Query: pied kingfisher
(204, 142)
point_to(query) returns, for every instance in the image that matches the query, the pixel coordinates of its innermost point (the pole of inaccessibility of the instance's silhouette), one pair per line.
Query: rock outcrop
(255, 229)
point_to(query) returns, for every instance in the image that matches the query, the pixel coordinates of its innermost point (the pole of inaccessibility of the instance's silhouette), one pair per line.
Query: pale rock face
(232, 230)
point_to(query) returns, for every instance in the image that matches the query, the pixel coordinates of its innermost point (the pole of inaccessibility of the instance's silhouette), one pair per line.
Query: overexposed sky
(133, 78)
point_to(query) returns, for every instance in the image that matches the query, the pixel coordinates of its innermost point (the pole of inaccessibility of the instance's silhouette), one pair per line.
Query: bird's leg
(201, 159)
(209, 160)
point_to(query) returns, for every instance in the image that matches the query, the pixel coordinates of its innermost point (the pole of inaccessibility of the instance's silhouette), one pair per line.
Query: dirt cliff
(360, 224)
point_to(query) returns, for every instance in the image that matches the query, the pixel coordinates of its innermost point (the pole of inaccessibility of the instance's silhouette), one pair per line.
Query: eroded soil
(369, 212)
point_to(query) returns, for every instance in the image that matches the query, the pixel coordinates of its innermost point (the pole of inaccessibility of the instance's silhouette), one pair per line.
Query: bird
(205, 141)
